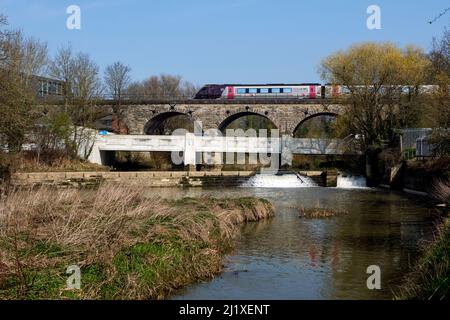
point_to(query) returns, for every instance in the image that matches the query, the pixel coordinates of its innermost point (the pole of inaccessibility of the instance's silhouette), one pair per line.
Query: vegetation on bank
(320, 213)
(128, 246)
(28, 162)
(430, 278)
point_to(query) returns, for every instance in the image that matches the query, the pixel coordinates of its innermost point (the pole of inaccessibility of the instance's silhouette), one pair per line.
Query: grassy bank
(430, 279)
(128, 246)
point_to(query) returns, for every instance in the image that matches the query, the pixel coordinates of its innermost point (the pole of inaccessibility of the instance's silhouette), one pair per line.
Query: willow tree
(383, 83)
(439, 106)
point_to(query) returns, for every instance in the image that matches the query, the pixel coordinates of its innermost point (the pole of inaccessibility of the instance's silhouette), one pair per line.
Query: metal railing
(414, 143)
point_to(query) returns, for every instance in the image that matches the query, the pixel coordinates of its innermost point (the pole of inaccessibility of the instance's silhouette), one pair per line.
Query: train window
(287, 90)
(241, 91)
(276, 90)
(252, 90)
(264, 90)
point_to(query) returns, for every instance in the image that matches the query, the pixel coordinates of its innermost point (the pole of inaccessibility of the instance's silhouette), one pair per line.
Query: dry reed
(128, 246)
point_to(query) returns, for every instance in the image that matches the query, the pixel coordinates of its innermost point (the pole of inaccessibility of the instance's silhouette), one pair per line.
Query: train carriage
(236, 91)
(289, 91)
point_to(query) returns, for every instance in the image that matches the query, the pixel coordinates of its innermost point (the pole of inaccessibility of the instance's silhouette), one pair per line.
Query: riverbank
(430, 278)
(127, 246)
(142, 178)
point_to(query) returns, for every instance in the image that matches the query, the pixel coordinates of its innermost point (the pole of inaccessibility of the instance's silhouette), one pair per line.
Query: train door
(312, 92)
(230, 93)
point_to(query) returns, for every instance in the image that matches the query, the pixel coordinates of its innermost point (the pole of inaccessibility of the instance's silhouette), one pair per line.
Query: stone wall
(286, 117)
(147, 179)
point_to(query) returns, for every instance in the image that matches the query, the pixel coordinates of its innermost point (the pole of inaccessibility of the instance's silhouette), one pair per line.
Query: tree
(170, 85)
(3, 33)
(82, 86)
(21, 60)
(86, 88)
(86, 80)
(163, 86)
(117, 79)
(375, 75)
(439, 105)
(62, 68)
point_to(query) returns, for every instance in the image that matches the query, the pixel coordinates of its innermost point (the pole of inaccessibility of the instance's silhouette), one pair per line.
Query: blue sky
(220, 41)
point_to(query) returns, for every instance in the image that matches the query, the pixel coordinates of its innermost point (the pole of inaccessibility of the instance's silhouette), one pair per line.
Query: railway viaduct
(141, 118)
(287, 115)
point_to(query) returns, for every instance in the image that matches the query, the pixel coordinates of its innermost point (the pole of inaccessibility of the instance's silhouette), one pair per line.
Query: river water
(288, 257)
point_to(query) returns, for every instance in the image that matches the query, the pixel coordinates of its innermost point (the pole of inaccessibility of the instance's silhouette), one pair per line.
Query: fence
(414, 143)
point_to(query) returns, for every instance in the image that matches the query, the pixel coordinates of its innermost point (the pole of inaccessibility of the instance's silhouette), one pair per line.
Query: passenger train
(296, 91)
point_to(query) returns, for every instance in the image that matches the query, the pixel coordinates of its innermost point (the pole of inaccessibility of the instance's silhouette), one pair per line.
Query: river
(288, 257)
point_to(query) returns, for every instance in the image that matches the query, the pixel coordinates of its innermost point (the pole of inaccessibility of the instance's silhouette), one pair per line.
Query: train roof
(261, 84)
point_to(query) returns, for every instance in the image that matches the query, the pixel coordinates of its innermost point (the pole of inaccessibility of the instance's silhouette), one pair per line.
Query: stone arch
(232, 117)
(154, 123)
(312, 116)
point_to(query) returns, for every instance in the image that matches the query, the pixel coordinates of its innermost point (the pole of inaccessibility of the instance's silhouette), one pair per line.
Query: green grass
(430, 279)
(160, 251)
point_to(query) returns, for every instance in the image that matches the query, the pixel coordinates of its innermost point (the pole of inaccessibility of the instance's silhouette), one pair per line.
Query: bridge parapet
(191, 145)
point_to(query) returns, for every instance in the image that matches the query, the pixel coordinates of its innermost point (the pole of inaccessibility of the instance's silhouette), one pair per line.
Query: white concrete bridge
(191, 145)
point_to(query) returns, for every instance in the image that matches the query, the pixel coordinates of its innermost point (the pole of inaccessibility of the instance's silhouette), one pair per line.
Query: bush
(7, 167)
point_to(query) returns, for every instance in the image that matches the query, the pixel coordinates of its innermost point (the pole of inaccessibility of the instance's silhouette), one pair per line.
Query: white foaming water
(278, 181)
(351, 182)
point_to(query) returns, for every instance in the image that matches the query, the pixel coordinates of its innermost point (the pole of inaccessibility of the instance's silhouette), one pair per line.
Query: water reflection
(292, 258)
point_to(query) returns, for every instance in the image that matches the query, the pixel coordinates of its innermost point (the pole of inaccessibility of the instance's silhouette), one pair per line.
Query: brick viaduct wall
(285, 116)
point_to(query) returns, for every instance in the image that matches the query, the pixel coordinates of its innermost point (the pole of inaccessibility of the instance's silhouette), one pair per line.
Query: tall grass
(441, 191)
(430, 277)
(128, 246)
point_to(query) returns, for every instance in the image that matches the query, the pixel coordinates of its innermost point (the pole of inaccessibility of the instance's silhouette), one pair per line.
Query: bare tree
(152, 87)
(82, 85)
(188, 89)
(117, 78)
(22, 59)
(86, 80)
(135, 89)
(163, 86)
(439, 106)
(62, 68)
(170, 85)
(3, 23)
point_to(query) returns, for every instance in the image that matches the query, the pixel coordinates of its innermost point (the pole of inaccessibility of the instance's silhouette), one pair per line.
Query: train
(295, 91)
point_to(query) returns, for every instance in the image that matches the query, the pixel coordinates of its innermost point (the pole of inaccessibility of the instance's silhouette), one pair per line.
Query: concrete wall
(192, 145)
